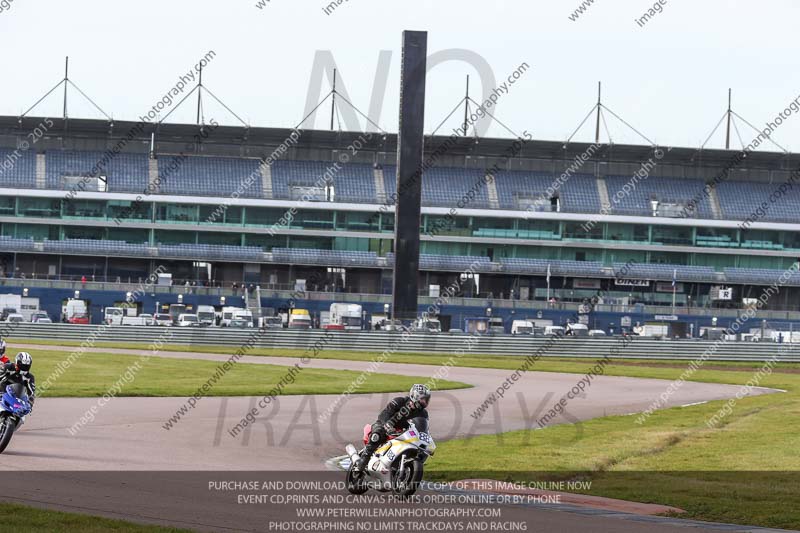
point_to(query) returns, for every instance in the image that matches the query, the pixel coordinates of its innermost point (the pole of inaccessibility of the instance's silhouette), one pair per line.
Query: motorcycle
(14, 407)
(397, 465)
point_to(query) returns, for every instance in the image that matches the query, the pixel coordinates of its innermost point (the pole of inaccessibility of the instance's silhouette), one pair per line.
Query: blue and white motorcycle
(14, 407)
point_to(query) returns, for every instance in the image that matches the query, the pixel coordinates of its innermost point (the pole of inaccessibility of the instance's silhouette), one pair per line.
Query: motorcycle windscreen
(421, 423)
(17, 390)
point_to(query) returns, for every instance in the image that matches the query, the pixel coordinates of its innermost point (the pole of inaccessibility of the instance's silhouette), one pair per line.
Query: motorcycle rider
(395, 417)
(19, 372)
(3, 358)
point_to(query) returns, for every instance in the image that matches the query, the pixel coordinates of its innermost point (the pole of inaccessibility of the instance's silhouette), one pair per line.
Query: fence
(444, 343)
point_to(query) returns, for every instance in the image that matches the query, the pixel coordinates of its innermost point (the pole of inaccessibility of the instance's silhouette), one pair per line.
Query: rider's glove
(389, 428)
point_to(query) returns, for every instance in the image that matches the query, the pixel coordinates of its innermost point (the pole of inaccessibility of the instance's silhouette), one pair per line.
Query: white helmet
(23, 361)
(420, 394)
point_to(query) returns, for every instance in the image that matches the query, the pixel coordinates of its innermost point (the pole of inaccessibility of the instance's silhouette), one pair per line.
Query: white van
(522, 327)
(188, 320)
(113, 315)
(554, 331)
(578, 330)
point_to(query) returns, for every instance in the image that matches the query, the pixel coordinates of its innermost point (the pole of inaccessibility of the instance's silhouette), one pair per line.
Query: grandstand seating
(760, 275)
(665, 272)
(352, 182)
(21, 171)
(304, 256)
(125, 172)
(211, 176)
(519, 190)
(737, 200)
(557, 267)
(446, 187)
(636, 200)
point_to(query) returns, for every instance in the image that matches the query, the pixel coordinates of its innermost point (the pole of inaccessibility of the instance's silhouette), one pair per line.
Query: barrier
(425, 343)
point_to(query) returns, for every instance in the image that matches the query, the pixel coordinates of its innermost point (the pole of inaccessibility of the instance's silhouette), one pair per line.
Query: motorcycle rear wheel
(7, 427)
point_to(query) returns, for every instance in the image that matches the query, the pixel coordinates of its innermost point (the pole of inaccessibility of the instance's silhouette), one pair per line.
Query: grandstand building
(266, 207)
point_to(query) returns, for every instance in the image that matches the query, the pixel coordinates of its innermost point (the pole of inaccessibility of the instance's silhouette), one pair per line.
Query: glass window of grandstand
(37, 232)
(717, 237)
(583, 230)
(177, 213)
(538, 229)
(669, 258)
(447, 225)
(627, 233)
(7, 205)
(791, 240)
(672, 235)
(129, 235)
(264, 216)
(313, 219)
(229, 239)
(266, 242)
(356, 221)
(84, 232)
(126, 210)
(40, 207)
(77, 208)
(174, 237)
(218, 214)
(761, 240)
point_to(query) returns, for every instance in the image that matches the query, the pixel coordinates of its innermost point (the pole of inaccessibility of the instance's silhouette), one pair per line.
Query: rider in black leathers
(19, 372)
(394, 418)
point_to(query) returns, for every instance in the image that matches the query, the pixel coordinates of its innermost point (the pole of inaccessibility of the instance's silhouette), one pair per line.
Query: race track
(128, 435)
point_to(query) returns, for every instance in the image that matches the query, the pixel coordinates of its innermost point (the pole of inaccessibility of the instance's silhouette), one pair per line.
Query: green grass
(95, 373)
(22, 519)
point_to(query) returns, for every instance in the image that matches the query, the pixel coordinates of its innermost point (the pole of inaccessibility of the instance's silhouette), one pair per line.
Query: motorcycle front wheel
(356, 481)
(406, 482)
(7, 427)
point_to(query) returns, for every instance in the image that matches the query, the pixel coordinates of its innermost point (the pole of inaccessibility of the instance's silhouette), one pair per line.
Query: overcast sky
(669, 78)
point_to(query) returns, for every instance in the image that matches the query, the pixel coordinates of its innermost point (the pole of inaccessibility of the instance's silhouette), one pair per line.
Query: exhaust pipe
(352, 453)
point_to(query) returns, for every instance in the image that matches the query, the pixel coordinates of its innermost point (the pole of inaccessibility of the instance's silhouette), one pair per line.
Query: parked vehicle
(163, 319)
(148, 319)
(175, 311)
(228, 314)
(238, 323)
(188, 320)
(141, 320)
(554, 331)
(428, 325)
(206, 314)
(43, 321)
(496, 326)
(577, 330)
(522, 327)
(271, 322)
(597, 333)
(75, 312)
(299, 319)
(39, 315)
(113, 316)
(15, 317)
(344, 317)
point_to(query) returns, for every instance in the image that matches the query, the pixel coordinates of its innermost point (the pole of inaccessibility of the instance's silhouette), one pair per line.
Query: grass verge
(93, 374)
(23, 519)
